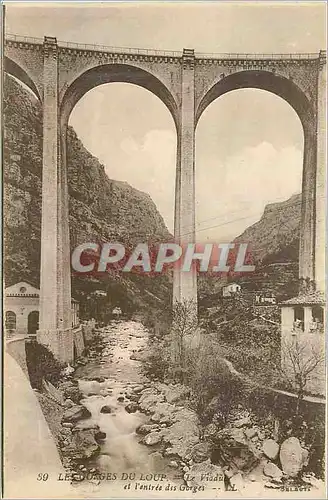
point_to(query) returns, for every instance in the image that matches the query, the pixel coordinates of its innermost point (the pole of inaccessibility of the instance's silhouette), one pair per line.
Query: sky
(249, 143)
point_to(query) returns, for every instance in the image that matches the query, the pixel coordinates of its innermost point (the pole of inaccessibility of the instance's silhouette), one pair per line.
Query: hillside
(273, 243)
(100, 209)
(275, 237)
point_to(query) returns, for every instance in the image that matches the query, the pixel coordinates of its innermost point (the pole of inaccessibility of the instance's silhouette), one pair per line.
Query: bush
(209, 377)
(41, 364)
(156, 365)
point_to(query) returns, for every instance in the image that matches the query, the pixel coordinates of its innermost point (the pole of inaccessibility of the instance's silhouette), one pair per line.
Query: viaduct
(60, 73)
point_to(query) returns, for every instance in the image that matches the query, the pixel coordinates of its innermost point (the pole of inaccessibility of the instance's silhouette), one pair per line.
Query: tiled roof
(306, 299)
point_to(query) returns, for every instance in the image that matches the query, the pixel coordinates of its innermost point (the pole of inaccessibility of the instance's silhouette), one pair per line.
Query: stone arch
(118, 73)
(263, 80)
(15, 70)
(289, 91)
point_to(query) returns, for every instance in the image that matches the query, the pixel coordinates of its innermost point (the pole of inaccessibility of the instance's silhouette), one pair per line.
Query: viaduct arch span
(60, 73)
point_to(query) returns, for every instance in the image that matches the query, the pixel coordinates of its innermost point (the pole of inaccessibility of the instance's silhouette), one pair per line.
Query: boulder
(100, 436)
(71, 392)
(163, 413)
(181, 437)
(149, 398)
(173, 393)
(250, 433)
(106, 409)
(272, 470)
(200, 452)
(270, 449)
(205, 474)
(144, 429)
(291, 457)
(85, 444)
(152, 438)
(234, 449)
(84, 425)
(132, 407)
(76, 413)
(137, 389)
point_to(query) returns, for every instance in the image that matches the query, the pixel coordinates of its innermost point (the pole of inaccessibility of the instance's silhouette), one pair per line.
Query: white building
(302, 326)
(231, 289)
(21, 305)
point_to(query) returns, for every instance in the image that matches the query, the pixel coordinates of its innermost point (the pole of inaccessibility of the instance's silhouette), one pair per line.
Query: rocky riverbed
(124, 435)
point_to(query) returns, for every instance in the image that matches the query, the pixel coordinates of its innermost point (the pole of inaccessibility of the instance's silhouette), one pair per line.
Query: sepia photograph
(164, 218)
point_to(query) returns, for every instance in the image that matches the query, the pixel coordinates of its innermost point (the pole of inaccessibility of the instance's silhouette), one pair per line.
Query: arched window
(33, 322)
(10, 320)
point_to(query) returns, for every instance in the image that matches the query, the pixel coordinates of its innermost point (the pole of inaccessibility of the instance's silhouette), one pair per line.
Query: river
(122, 455)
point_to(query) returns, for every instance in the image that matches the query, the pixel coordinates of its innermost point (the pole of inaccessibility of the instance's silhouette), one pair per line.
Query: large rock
(144, 429)
(271, 470)
(153, 438)
(71, 391)
(200, 452)
(292, 457)
(75, 414)
(205, 474)
(270, 449)
(149, 398)
(105, 409)
(84, 444)
(132, 407)
(163, 413)
(181, 437)
(173, 393)
(235, 449)
(100, 436)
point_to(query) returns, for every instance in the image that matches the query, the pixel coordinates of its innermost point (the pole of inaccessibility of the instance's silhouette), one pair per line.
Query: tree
(183, 330)
(300, 360)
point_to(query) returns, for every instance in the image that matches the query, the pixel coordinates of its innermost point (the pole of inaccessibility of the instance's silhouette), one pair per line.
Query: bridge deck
(161, 53)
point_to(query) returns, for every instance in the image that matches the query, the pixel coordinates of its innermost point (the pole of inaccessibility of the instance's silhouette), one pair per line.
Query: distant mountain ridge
(275, 237)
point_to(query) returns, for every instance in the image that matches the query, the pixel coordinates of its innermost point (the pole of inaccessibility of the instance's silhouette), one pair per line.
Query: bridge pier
(321, 161)
(55, 288)
(185, 283)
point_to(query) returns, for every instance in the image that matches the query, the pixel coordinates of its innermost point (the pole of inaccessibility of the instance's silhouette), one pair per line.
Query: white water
(121, 451)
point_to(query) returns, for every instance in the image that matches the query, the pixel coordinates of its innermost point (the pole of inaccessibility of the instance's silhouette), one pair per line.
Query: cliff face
(100, 209)
(273, 244)
(275, 237)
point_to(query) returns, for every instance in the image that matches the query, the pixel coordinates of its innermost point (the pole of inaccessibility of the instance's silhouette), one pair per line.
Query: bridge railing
(23, 39)
(162, 53)
(119, 50)
(296, 55)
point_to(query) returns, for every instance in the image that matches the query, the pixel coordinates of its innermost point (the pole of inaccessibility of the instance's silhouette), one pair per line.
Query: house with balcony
(302, 337)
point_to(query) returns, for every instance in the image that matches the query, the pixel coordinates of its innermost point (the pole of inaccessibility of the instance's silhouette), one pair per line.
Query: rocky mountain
(273, 248)
(100, 209)
(275, 237)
